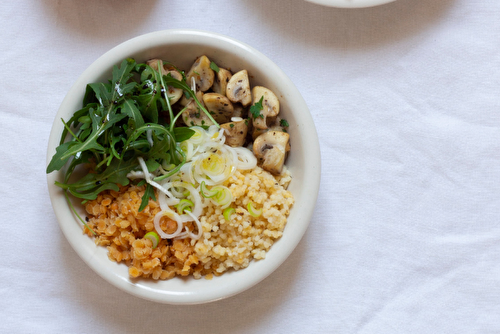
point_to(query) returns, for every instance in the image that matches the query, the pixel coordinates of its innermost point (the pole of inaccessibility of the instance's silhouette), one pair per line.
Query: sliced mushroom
(184, 100)
(202, 73)
(218, 106)
(238, 88)
(153, 63)
(221, 80)
(270, 149)
(238, 110)
(235, 132)
(193, 115)
(275, 126)
(174, 94)
(270, 107)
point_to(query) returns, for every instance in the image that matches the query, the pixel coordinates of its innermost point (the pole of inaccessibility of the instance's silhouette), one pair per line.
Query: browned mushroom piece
(270, 107)
(238, 110)
(270, 149)
(153, 63)
(218, 106)
(235, 131)
(174, 94)
(184, 100)
(193, 115)
(277, 125)
(202, 73)
(221, 80)
(238, 88)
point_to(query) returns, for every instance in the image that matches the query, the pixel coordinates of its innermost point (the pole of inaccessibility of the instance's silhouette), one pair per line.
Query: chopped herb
(228, 212)
(284, 123)
(256, 109)
(154, 237)
(214, 67)
(231, 125)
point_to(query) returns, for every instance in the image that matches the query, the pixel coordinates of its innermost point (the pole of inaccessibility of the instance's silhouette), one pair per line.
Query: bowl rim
(353, 4)
(94, 257)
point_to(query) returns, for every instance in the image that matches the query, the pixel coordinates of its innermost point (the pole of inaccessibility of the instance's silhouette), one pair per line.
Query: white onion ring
(198, 225)
(188, 233)
(147, 175)
(189, 151)
(173, 216)
(245, 158)
(194, 195)
(199, 137)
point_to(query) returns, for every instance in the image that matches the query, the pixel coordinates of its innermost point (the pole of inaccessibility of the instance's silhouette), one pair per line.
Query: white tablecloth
(406, 235)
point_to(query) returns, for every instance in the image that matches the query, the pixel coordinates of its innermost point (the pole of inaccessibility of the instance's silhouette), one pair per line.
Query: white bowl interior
(182, 47)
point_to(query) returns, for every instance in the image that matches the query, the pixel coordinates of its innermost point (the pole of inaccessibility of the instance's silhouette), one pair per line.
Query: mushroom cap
(218, 106)
(270, 149)
(238, 88)
(270, 106)
(202, 73)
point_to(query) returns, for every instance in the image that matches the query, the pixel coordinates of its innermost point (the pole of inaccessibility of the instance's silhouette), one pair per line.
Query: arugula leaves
(149, 193)
(119, 122)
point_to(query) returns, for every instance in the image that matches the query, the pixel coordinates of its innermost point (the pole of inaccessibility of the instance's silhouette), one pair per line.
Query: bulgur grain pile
(119, 226)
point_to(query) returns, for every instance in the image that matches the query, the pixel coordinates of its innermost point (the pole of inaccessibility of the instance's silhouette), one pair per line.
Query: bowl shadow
(98, 19)
(350, 28)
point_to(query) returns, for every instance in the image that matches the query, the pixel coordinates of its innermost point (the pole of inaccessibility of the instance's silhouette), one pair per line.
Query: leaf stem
(69, 130)
(76, 213)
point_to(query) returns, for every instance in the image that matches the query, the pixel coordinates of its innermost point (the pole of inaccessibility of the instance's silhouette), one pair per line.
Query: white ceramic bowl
(181, 47)
(350, 3)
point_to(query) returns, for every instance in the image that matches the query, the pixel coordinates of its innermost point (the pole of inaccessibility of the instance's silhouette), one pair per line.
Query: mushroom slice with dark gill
(270, 149)
(238, 88)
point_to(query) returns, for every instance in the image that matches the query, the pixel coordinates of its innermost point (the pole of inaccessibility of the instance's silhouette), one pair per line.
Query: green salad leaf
(127, 118)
